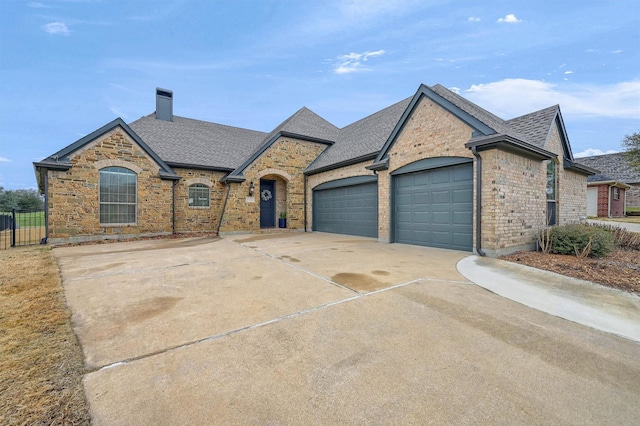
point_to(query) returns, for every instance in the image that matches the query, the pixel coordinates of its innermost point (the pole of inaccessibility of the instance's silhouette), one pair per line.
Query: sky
(67, 67)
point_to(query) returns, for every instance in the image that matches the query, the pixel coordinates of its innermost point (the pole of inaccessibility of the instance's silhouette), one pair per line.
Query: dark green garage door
(435, 207)
(350, 209)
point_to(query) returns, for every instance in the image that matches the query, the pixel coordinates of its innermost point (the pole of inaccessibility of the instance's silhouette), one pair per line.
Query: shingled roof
(614, 166)
(185, 141)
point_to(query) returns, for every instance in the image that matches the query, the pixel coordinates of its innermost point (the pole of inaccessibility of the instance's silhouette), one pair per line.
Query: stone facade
(284, 161)
(73, 204)
(198, 219)
(633, 195)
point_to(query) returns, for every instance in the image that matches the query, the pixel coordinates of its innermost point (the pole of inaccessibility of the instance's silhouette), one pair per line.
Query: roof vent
(164, 104)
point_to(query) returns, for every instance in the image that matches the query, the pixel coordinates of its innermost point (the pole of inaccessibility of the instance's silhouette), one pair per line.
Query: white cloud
(568, 72)
(474, 19)
(353, 62)
(117, 112)
(4, 160)
(38, 5)
(513, 97)
(617, 51)
(56, 28)
(510, 19)
(455, 90)
(590, 152)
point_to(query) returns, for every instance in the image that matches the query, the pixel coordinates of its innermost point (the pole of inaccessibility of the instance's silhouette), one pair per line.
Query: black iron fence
(22, 228)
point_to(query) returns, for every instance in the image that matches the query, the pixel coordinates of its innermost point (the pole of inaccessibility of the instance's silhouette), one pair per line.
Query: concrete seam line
(228, 333)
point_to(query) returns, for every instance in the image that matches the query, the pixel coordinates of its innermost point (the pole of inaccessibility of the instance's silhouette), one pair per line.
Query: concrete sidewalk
(633, 227)
(602, 308)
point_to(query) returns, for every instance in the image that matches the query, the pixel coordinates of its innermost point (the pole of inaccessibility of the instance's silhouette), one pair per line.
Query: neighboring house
(617, 169)
(433, 169)
(605, 196)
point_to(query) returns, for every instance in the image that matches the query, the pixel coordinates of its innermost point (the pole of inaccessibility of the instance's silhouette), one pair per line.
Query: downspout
(173, 209)
(305, 203)
(609, 202)
(224, 207)
(479, 250)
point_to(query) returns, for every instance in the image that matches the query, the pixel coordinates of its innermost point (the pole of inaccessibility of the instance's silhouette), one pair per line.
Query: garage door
(347, 206)
(592, 202)
(435, 207)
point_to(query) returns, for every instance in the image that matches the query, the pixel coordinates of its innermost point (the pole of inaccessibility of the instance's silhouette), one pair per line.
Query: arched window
(198, 195)
(118, 199)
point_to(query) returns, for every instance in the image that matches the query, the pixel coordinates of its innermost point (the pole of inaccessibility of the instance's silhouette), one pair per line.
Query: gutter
(479, 250)
(173, 207)
(305, 202)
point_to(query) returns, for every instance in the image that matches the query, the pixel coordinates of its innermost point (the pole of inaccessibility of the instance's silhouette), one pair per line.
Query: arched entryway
(273, 199)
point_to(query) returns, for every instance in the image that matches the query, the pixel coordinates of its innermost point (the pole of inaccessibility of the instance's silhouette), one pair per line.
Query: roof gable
(63, 156)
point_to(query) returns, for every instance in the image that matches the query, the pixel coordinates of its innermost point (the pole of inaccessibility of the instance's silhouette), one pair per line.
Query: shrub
(576, 238)
(623, 238)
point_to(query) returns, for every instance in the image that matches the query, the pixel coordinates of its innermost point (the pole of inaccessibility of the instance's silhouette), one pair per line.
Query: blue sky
(68, 67)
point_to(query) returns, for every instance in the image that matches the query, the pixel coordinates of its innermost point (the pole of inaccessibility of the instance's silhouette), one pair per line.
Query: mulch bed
(620, 269)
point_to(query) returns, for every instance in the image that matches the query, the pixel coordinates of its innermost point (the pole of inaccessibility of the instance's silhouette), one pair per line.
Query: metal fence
(22, 228)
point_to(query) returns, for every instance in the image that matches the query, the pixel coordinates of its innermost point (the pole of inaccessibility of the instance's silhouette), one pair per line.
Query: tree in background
(631, 145)
(20, 199)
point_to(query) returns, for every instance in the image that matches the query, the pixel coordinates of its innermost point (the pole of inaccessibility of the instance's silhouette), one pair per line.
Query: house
(615, 169)
(605, 196)
(433, 169)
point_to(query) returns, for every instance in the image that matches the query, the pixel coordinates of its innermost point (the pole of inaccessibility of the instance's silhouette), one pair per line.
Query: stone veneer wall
(73, 205)
(287, 158)
(198, 219)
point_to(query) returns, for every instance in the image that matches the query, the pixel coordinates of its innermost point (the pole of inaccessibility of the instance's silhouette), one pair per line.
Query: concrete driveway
(327, 329)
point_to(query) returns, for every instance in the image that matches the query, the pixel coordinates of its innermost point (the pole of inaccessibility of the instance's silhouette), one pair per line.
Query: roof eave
(579, 168)
(199, 167)
(233, 179)
(341, 164)
(615, 183)
(379, 165)
(510, 144)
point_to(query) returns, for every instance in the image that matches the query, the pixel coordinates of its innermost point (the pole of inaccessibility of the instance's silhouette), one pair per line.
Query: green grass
(633, 209)
(28, 220)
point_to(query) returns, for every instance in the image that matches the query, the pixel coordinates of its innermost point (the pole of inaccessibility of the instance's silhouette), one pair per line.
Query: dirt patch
(383, 273)
(150, 308)
(359, 282)
(289, 259)
(261, 237)
(41, 362)
(620, 269)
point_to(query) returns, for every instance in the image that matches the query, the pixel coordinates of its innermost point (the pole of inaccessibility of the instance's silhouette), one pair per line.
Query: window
(198, 195)
(118, 188)
(616, 193)
(552, 192)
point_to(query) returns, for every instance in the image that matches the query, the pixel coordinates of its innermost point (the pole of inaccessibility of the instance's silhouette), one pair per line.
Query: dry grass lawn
(41, 362)
(27, 235)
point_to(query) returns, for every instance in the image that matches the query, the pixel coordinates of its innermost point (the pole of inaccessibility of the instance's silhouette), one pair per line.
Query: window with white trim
(552, 192)
(199, 195)
(118, 196)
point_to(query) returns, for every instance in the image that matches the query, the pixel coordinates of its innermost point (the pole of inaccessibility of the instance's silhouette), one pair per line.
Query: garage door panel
(351, 210)
(439, 211)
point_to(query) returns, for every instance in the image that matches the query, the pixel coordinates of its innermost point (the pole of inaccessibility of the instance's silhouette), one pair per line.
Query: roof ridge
(375, 113)
(201, 121)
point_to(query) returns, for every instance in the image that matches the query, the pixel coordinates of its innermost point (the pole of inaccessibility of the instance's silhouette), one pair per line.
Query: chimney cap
(164, 92)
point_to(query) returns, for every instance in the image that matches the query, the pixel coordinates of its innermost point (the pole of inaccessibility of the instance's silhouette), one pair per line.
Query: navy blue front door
(267, 203)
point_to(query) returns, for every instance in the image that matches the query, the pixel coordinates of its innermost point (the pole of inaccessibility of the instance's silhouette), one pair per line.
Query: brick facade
(73, 204)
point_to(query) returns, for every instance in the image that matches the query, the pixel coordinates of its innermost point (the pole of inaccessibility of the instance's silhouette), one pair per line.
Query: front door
(267, 203)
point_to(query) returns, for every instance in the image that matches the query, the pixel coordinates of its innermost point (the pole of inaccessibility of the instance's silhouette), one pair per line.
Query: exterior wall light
(252, 187)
